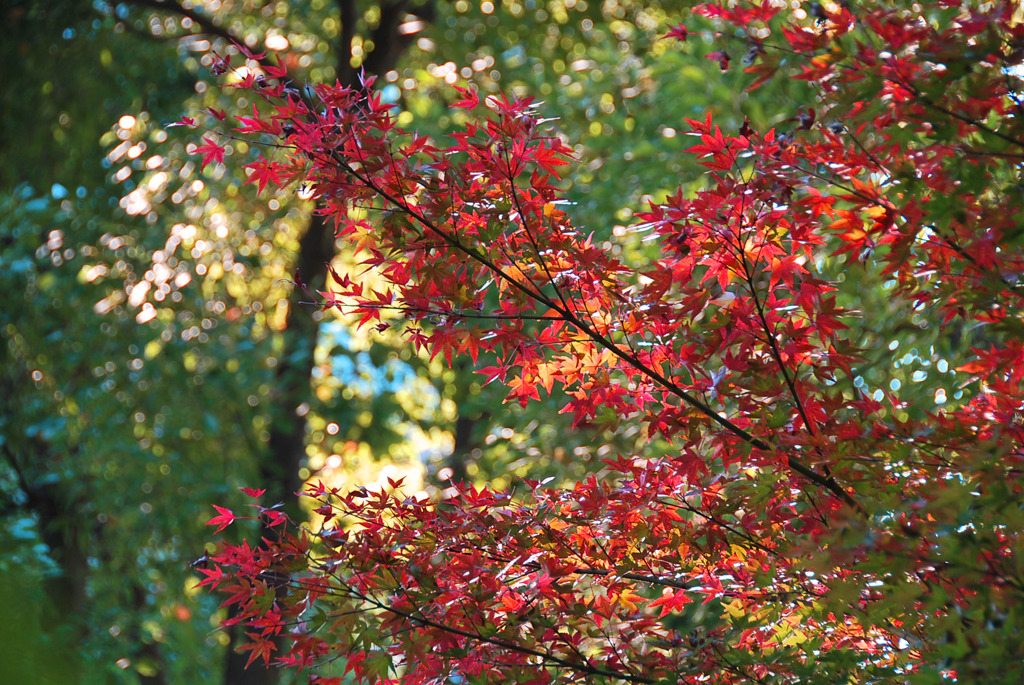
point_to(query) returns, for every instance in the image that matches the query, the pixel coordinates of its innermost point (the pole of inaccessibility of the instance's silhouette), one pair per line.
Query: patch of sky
(514, 56)
(357, 370)
(390, 93)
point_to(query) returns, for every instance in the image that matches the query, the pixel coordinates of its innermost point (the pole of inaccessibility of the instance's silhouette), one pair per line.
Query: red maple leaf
(264, 172)
(469, 100)
(213, 578)
(259, 648)
(222, 520)
(678, 32)
(210, 151)
(522, 389)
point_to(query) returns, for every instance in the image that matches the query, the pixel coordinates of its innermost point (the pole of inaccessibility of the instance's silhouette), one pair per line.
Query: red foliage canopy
(805, 528)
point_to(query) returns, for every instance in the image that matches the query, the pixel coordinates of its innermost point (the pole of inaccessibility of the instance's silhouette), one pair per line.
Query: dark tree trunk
(286, 454)
(148, 653)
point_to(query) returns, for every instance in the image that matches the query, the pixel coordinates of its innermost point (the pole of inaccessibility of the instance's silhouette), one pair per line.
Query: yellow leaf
(629, 599)
(734, 608)
(796, 637)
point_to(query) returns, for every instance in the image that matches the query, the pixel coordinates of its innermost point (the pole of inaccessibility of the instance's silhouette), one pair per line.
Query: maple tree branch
(729, 666)
(533, 566)
(824, 481)
(656, 579)
(956, 247)
(630, 358)
(985, 153)
(615, 649)
(454, 314)
(686, 506)
(949, 242)
(448, 239)
(931, 104)
(522, 649)
(918, 96)
(748, 276)
(529, 233)
(565, 639)
(927, 102)
(661, 580)
(870, 155)
(794, 463)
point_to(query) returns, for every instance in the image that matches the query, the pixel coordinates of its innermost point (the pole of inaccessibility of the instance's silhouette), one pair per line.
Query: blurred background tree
(157, 350)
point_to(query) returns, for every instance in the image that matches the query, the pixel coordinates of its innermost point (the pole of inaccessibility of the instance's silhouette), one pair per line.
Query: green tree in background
(156, 354)
(112, 408)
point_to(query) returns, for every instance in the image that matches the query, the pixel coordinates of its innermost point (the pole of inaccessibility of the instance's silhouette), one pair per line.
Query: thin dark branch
(207, 25)
(504, 644)
(529, 233)
(918, 97)
(12, 459)
(952, 244)
(773, 347)
(453, 314)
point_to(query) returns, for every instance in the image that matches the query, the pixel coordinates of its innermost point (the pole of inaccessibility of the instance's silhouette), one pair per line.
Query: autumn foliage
(833, 507)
